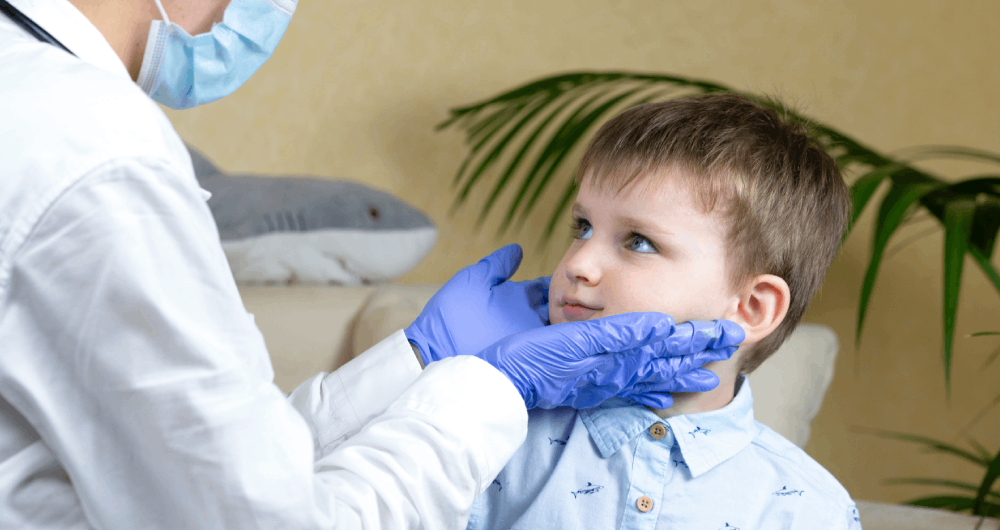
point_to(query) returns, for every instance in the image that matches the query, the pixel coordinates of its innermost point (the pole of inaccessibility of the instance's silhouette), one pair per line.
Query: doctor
(135, 390)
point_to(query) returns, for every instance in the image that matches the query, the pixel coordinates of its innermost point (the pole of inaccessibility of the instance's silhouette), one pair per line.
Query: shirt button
(657, 431)
(644, 504)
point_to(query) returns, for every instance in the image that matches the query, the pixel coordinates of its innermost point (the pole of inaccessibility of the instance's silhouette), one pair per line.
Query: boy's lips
(577, 310)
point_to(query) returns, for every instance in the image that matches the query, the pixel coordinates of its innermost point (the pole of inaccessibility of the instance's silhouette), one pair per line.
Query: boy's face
(648, 248)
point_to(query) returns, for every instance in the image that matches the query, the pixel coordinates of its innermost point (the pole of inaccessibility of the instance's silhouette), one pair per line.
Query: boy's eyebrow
(631, 222)
(644, 226)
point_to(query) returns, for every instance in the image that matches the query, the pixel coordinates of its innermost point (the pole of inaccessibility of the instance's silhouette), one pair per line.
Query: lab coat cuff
(476, 400)
(337, 405)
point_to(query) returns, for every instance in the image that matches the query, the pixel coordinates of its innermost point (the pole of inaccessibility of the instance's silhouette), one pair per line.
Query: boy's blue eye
(641, 244)
(582, 229)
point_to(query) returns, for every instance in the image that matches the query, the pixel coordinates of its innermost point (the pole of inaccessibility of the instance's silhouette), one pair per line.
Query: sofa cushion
(788, 389)
(392, 308)
(306, 329)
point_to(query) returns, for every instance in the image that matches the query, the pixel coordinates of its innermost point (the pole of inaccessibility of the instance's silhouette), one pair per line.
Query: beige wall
(357, 86)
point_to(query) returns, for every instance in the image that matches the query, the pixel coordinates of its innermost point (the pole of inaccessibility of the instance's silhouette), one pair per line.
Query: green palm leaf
(894, 207)
(924, 152)
(957, 504)
(497, 151)
(937, 446)
(861, 192)
(939, 482)
(958, 225)
(944, 502)
(983, 260)
(983, 452)
(992, 474)
(986, 225)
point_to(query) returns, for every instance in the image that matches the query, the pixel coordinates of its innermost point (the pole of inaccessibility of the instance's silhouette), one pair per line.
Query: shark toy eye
(374, 213)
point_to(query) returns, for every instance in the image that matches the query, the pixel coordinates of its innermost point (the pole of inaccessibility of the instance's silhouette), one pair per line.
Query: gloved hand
(634, 355)
(478, 307)
(660, 377)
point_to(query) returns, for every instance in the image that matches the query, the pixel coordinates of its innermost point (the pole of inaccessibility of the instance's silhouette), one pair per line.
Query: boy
(702, 208)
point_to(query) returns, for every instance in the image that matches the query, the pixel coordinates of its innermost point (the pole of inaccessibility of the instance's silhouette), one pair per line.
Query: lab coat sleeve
(373, 391)
(131, 354)
(337, 405)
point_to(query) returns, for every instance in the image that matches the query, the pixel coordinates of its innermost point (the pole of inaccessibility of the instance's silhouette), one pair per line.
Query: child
(702, 208)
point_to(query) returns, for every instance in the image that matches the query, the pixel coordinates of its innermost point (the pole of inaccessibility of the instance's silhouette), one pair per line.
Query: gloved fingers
(538, 296)
(623, 370)
(654, 400)
(538, 289)
(697, 335)
(700, 380)
(667, 367)
(498, 266)
(616, 333)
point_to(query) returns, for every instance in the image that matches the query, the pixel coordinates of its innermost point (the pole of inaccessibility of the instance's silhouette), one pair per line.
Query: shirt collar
(705, 439)
(70, 27)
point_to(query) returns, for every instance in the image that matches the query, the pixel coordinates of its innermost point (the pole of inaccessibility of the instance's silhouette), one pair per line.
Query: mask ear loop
(162, 11)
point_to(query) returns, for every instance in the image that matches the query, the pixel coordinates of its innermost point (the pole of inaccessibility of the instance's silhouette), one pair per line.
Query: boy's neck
(715, 399)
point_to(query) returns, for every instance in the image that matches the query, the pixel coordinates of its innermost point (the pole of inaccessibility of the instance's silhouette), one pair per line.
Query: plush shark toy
(312, 231)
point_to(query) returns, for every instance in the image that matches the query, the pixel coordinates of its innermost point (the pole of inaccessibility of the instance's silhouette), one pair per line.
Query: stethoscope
(29, 25)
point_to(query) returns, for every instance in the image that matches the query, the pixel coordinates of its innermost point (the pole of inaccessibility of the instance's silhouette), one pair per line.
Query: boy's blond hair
(783, 196)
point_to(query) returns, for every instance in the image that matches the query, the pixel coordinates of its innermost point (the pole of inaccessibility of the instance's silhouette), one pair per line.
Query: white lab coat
(135, 389)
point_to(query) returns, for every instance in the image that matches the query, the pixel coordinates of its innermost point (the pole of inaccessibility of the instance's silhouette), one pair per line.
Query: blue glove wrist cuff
(417, 339)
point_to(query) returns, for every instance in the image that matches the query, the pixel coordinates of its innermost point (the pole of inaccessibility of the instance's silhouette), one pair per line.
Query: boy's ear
(761, 306)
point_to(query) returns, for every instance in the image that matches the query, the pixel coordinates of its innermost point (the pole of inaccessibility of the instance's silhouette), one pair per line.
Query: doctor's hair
(780, 193)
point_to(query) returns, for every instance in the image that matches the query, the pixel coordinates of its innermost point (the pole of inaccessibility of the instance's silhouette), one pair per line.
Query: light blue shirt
(712, 470)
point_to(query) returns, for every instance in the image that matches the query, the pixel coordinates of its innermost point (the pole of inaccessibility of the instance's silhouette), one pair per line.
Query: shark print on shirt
(699, 430)
(589, 489)
(785, 492)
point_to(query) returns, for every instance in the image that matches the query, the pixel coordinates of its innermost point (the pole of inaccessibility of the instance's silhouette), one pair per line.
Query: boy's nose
(584, 266)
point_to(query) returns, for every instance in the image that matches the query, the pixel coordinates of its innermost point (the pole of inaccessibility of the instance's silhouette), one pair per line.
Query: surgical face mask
(181, 71)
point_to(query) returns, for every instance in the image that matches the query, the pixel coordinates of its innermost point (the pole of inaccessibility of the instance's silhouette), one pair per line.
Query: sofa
(317, 329)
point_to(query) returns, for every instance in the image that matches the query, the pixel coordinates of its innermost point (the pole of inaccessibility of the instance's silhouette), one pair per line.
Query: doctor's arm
(152, 386)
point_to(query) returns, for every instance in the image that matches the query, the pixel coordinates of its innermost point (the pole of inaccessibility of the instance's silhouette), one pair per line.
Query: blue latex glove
(654, 383)
(654, 378)
(635, 355)
(478, 307)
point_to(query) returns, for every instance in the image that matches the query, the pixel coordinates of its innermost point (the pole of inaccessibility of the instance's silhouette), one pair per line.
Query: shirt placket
(650, 473)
